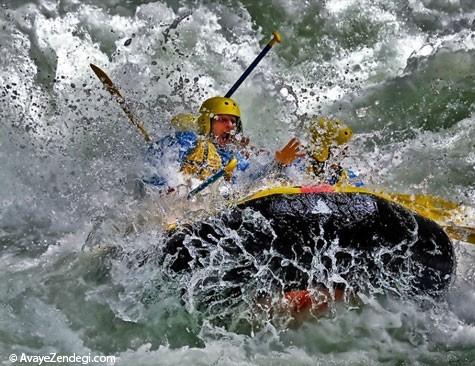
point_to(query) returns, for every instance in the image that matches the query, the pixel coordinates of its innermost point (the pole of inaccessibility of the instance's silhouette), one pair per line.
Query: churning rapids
(82, 253)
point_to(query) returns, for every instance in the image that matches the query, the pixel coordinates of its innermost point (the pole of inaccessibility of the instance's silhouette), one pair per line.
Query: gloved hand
(289, 153)
(229, 169)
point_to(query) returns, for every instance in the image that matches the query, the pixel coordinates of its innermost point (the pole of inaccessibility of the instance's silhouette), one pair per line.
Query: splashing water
(400, 74)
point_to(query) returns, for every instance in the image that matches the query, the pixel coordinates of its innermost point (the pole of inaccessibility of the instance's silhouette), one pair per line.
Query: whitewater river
(400, 73)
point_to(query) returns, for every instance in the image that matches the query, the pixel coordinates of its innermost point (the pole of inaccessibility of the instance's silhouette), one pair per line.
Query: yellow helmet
(214, 106)
(326, 132)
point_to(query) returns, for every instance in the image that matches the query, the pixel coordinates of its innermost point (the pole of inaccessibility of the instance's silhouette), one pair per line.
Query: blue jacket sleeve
(164, 152)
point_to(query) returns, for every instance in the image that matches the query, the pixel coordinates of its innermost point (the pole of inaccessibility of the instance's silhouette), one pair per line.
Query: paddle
(275, 39)
(227, 170)
(114, 91)
(463, 233)
(439, 210)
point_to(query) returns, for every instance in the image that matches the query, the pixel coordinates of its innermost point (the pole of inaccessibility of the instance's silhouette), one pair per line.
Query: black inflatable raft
(300, 239)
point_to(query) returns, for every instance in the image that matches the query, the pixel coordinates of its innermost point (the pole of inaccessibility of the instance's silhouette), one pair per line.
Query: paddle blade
(106, 80)
(463, 233)
(111, 88)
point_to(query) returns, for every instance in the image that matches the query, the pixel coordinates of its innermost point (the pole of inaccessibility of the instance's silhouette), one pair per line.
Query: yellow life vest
(203, 160)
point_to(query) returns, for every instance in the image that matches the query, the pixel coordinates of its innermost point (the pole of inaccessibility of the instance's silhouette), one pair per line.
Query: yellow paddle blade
(453, 217)
(434, 208)
(463, 233)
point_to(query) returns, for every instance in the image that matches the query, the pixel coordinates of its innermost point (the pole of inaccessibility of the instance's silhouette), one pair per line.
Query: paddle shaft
(206, 183)
(276, 39)
(210, 180)
(114, 91)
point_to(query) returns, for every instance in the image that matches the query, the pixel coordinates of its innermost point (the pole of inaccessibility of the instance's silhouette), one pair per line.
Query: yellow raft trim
(270, 192)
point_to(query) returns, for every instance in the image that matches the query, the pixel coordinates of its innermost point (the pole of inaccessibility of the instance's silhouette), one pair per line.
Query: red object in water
(322, 188)
(299, 300)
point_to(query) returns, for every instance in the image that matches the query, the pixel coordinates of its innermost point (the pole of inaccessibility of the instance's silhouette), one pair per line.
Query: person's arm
(163, 160)
(262, 163)
(154, 155)
(289, 153)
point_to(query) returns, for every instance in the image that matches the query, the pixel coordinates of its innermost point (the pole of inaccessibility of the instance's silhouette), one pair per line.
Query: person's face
(222, 128)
